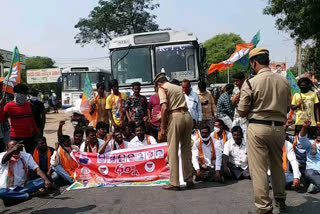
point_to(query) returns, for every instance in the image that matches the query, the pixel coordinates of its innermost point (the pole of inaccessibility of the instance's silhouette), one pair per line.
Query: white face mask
(216, 129)
(205, 139)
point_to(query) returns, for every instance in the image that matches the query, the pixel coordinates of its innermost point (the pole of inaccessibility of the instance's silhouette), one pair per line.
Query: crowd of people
(215, 150)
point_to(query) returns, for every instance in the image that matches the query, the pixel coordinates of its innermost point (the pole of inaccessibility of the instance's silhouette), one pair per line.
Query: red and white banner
(143, 164)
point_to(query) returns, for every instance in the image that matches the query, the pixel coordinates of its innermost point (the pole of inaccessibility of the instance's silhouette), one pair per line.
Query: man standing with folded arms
(177, 121)
(265, 99)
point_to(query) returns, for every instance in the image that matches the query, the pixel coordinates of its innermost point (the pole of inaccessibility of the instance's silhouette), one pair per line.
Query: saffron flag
(143, 166)
(88, 94)
(14, 75)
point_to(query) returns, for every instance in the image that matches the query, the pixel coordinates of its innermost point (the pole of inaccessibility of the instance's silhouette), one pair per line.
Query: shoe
(190, 185)
(171, 187)
(281, 204)
(312, 189)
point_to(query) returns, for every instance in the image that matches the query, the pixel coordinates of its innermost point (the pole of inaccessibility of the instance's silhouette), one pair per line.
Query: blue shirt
(312, 162)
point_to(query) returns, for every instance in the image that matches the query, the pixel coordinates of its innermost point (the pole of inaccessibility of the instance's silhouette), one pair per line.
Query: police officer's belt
(179, 110)
(266, 122)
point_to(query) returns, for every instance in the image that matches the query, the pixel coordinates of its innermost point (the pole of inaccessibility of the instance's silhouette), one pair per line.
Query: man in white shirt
(141, 139)
(193, 101)
(14, 168)
(220, 133)
(292, 179)
(207, 157)
(114, 142)
(92, 143)
(235, 158)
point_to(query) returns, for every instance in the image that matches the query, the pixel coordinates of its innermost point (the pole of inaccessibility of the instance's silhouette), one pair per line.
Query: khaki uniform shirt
(172, 95)
(270, 97)
(207, 104)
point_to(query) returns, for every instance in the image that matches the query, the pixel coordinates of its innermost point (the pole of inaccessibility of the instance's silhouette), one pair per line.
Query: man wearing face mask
(207, 156)
(265, 99)
(22, 125)
(15, 183)
(306, 105)
(38, 111)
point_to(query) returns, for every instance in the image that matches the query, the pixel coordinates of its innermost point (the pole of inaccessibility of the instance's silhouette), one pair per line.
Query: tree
(39, 62)
(300, 18)
(116, 18)
(218, 49)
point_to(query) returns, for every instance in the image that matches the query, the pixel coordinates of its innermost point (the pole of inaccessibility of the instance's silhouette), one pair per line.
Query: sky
(46, 27)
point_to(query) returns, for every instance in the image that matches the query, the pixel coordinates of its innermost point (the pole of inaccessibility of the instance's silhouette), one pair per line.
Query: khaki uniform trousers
(265, 144)
(179, 131)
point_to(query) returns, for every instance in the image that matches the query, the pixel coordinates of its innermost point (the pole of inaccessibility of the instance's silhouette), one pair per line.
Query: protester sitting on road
(141, 139)
(92, 143)
(42, 155)
(115, 142)
(61, 162)
(77, 139)
(313, 157)
(102, 130)
(136, 105)
(225, 109)
(115, 105)
(207, 157)
(235, 158)
(14, 168)
(23, 127)
(38, 111)
(306, 105)
(195, 134)
(220, 133)
(292, 179)
(128, 132)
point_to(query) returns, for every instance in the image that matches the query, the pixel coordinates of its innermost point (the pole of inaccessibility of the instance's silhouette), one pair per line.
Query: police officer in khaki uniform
(265, 100)
(176, 121)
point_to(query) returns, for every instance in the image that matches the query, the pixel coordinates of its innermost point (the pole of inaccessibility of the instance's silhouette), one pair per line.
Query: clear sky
(46, 27)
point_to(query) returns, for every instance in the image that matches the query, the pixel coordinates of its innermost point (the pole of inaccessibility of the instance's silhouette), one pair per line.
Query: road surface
(232, 197)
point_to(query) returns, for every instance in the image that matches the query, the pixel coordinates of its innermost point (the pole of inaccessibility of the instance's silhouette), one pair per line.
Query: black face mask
(304, 90)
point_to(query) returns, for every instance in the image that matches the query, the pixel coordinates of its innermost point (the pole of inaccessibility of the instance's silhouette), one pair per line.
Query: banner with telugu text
(144, 166)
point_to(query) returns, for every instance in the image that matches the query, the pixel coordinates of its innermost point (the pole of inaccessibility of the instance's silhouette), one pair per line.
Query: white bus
(73, 81)
(139, 57)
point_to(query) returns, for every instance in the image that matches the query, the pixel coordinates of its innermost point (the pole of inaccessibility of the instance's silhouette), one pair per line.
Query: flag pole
(228, 76)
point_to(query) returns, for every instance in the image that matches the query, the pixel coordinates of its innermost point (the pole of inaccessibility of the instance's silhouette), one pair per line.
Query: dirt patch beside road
(52, 125)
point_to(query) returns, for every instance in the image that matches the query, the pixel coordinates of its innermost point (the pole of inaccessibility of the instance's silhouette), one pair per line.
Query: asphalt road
(232, 197)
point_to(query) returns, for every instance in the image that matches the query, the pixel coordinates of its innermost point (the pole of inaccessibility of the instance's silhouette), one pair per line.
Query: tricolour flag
(88, 94)
(14, 75)
(241, 51)
(240, 55)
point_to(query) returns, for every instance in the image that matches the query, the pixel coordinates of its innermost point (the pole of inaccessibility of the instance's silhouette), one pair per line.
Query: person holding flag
(22, 126)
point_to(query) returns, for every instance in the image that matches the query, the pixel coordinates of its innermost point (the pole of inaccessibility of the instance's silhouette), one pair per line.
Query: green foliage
(116, 18)
(299, 17)
(218, 49)
(39, 62)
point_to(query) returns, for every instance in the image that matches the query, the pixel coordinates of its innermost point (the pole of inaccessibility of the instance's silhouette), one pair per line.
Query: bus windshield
(132, 65)
(75, 81)
(178, 61)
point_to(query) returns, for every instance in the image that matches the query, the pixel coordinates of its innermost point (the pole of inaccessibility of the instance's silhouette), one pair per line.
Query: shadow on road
(311, 206)
(16, 212)
(66, 210)
(203, 185)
